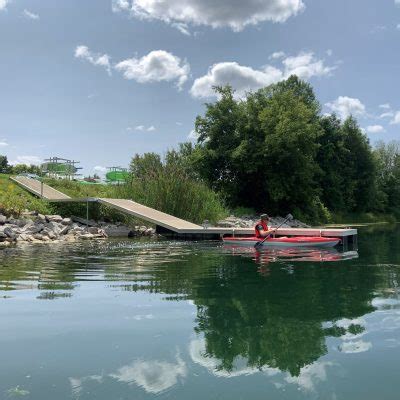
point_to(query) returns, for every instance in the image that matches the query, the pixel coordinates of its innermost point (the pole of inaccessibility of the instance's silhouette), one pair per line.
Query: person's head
(264, 217)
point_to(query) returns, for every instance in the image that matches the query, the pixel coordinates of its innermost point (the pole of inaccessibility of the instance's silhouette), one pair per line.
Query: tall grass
(170, 188)
(165, 186)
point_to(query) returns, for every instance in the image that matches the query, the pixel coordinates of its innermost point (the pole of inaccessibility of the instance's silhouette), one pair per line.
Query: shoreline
(33, 227)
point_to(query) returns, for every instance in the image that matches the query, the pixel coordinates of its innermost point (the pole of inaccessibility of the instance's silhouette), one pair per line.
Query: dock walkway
(169, 223)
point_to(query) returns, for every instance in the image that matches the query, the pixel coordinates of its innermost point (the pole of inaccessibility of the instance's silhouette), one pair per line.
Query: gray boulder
(54, 218)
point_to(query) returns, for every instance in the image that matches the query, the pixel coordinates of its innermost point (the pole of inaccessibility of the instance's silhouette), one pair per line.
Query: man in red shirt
(261, 227)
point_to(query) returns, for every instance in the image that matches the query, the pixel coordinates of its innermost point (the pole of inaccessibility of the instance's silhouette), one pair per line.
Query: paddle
(289, 217)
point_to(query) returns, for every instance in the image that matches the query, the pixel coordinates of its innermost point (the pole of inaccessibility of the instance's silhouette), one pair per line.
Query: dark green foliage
(387, 158)
(260, 152)
(274, 151)
(4, 167)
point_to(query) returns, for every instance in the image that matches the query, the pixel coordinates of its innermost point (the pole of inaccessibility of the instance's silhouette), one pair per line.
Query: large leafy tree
(359, 170)
(260, 151)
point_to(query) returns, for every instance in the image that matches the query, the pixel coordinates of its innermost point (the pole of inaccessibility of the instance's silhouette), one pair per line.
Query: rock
(49, 233)
(54, 218)
(37, 236)
(3, 219)
(10, 233)
(66, 221)
(117, 231)
(84, 221)
(41, 218)
(149, 232)
(54, 226)
(64, 230)
(32, 229)
(3, 236)
(27, 213)
(4, 244)
(93, 230)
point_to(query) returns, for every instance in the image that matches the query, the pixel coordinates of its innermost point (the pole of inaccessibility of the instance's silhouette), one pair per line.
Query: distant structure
(61, 168)
(117, 175)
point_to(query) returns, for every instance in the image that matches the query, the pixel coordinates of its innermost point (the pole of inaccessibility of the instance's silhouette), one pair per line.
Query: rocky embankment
(37, 228)
(250, 221)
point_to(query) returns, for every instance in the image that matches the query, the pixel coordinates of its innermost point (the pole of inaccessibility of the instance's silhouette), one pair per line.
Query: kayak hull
(299, 241)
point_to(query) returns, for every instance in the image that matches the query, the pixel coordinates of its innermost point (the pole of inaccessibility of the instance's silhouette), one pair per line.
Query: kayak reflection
(267, 255)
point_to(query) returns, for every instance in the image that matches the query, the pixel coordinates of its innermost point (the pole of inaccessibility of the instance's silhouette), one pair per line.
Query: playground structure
(56, 167)
(117, 175)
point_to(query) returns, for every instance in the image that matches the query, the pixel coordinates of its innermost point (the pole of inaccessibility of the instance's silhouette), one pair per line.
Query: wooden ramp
(38, 189)
(151, 215)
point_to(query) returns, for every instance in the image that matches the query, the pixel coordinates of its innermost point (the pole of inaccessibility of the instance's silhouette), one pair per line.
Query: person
(261, 227)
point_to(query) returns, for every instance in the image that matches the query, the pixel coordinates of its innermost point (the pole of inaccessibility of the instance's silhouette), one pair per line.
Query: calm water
(179, 320)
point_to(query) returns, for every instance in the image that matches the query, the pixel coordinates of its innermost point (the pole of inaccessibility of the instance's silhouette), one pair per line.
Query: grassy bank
(185, 199)
(14, 200)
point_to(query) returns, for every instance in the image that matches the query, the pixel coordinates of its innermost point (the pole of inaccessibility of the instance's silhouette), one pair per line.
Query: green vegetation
(14, 200)
(273, 151)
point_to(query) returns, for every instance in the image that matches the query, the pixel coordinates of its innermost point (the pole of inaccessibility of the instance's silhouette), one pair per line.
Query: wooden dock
(39, 189)
(168, 224)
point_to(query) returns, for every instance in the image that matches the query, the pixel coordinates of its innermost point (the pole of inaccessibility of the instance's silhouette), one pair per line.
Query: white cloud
(310, 375)
(396, 119)
(30, 15)
(96, 59)
(385, 106)
(198, 354)
(397, 2)
(375, 129)
(182, 28)
(157, 66)
(99, 168)
(355, 347)
(329, 52)
(389, 114)
(345, 106)
(179, 123)
(153, 376)
(277, 55)
(3, 4)
(141, 317)
(30, 160)
(224, 13)
(120, 5)
(3, 143)
(398, 26)
(143, 128)
(244, 79)
(305, 65)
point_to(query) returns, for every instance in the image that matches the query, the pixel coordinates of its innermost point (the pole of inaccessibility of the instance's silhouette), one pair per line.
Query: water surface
(180, 320)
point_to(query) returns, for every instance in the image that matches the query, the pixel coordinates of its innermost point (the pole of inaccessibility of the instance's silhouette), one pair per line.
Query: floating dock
(170, 225)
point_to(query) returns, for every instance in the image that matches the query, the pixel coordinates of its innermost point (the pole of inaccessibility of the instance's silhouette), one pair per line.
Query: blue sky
(101, 80)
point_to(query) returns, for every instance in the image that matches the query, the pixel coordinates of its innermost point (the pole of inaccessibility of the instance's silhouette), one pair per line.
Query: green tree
(359, 170)
(4, 166)
(260, 152)
(387, 156)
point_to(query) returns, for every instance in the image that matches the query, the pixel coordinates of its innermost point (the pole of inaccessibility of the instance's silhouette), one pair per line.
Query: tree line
(272, 151)
(275, 151)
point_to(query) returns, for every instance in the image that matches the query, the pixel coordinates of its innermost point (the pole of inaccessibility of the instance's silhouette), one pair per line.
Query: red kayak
(298, 241)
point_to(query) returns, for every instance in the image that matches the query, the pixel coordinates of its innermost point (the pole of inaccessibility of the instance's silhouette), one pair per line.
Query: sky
(100, 80)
